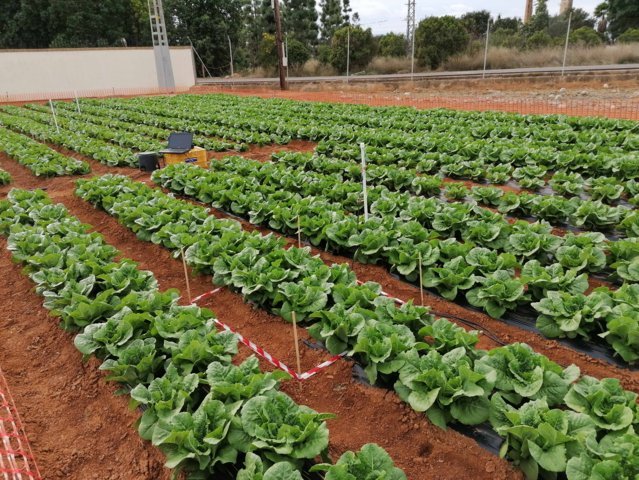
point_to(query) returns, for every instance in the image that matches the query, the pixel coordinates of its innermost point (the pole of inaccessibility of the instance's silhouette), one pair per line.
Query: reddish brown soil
(364, 414)
(449, 98)
(263, 153)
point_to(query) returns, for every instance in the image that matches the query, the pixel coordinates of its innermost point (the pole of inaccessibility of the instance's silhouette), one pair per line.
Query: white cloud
(390, 16)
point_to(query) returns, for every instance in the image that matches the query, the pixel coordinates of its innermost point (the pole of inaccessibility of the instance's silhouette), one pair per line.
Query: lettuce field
(467, 283)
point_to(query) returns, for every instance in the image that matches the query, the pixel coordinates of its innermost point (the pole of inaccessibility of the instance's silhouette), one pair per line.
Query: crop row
(554, 209)
(200, 409)
(593, 148)
(100, 150)
(5, 177)
(546, 413)
(605, 183)
(38, 158)
(92, 115)
(150, 115)
(483, 266)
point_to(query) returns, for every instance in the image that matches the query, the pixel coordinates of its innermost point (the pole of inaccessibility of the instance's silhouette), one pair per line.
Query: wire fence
(94, 93)
(16, 458)
(617, 107)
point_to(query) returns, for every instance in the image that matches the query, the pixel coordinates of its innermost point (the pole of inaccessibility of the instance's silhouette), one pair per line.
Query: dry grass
(387, 65)
(500, 57)
(315, 68)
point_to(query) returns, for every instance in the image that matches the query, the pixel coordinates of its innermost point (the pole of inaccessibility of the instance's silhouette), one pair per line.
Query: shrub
(585, 36)
(629, 36)
(362, 48)
(392, 45)
(437, 38)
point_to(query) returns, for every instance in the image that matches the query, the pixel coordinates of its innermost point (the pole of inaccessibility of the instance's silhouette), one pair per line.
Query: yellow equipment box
(195, 156)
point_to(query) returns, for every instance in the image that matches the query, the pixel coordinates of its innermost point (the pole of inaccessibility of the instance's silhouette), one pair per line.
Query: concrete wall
(53, 73)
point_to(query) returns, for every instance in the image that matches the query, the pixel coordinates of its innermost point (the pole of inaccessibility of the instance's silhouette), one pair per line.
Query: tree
(507, 23)
(622, 15)
(300, 18)
(331, 18)
(208, 24)
(476, 22)
(601, 14)
(362, 48)
(585, 36)
(392, 45)
(298, 53)
(86, 23)
(267, 52)
(437, 38)
(539, 39)
(540, 20)
(629, 36)
(559, 24)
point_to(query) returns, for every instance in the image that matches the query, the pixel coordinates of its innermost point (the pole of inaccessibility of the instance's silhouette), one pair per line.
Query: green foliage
(438, 38)
(392, 45)
(629, 36)
(605, 401)
(622, 15)
(371, 462)
(300, 20)
(476, 23)
(331, 18)
(585, 36)
(5, 177)
(298, 53)
(362, 48)
(267, 53)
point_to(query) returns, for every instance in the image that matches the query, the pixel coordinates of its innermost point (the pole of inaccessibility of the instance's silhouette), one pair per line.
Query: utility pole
(280, 44)
(231, 55)
(410, 25)
(160, 40)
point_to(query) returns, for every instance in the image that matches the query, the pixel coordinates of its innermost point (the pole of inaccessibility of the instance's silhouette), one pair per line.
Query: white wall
(53, 73)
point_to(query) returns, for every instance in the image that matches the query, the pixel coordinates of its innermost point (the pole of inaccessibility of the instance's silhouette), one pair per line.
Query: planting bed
(279, 185)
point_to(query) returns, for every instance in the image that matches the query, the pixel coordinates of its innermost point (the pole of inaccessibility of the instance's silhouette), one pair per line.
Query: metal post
(364, 189)
(55, 119)
(280, 46)
(486, 49)
(348, 54)
(230, 54)
(563, 66)
(286, 51)
(412, 61)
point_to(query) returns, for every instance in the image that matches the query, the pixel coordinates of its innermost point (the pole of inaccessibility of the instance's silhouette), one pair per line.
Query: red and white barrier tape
(16, 458)
(263, 353)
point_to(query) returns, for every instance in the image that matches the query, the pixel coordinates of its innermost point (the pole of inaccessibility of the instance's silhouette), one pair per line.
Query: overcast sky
(384, 16)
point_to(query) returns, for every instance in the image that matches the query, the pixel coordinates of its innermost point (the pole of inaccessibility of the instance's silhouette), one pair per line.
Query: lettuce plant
(372, 463)
(446, 387)
(522, 373)
(564, 314)
(274, 426)
(616, 456)
(541, 280)
(254, 469)
(453, 276)
(497, 292)
(539, 440)
(605, 401)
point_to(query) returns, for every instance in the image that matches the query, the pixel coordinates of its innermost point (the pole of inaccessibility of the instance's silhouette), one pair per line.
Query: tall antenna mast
(163, 64)
(410, 25)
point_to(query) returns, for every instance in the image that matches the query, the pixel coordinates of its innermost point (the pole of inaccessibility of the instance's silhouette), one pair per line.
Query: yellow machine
(195, 156)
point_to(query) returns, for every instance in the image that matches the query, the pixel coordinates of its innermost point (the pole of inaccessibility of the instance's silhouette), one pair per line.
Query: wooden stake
(297, 347)
(421, 278)
(299, 233)
(186, 275)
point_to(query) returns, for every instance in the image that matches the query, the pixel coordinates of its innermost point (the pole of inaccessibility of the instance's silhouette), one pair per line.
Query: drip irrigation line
(472, 324)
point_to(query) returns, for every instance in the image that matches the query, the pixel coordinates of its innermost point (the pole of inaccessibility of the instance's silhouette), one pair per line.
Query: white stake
(77, 102)
(563, 66)
(348, 54)
(412, 57)
(486, 49)
(186, 275)
(299, 233)
(55, 119)
(297, 347)
(364, 189)
(421, 279)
